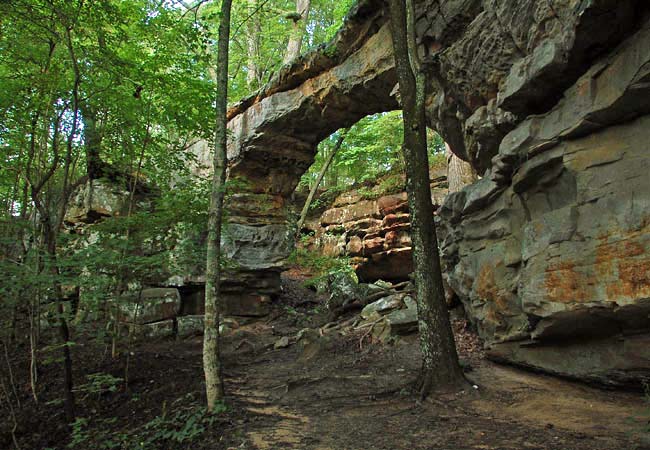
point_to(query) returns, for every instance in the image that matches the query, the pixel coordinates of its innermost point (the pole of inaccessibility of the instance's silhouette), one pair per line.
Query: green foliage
(326, 198)
(176, 429)
(388, 184)
(275, 26)
(180, 427)
(99, 383)
(371, 147)
(371, 150)
(320, 266)
(438, 160)
(139, 76)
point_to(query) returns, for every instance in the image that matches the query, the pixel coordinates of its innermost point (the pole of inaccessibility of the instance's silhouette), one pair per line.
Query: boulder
(189, 326)
(155, 330)
(391, 316)
(383, 305)
(405, 320)
(343, 289)
(604, 361)
(283, 342)
(153, 305)
(96, 199)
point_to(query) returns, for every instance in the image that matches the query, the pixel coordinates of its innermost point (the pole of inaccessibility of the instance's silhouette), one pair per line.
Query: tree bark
(298, 31)
(312, 192)
(92, 142)
(459, 172)
(64, 333)
(211, 352)
(440, 367)
(254, 32)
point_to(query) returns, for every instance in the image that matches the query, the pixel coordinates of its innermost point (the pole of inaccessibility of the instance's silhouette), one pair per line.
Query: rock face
(103, 197)
(274, 135)
(152, 305)
(548, 100)
(494, 62)
(550, 250)
(373, 230)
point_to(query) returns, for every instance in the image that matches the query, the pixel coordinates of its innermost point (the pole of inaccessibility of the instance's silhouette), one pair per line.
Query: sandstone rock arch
(549, 102)
(274, 135)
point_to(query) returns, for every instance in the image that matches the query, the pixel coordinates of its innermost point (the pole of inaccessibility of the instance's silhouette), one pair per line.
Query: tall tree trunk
(440, 367)
(211, 352)
(253, 38)
(51, 216)
(92, 142)
(323, 170)
(50, 233)
(459, 172)
(298, 31)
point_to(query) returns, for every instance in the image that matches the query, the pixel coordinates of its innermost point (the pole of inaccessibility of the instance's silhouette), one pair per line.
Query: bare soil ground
(337, 392)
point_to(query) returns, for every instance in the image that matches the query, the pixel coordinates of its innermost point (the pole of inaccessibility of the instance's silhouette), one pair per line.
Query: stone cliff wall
(550, 250)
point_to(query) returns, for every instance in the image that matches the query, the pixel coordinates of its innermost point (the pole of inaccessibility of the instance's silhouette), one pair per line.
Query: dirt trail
(332, 395)
(339, 392)
(286, 431)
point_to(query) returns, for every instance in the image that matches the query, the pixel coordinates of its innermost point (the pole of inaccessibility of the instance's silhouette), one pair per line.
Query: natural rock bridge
(274, 136)
(549, 101)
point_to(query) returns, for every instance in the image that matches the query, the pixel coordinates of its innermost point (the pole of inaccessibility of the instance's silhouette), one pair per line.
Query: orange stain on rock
(486, 286)
(488, 289)
(634, 279)
(625, 265)
(564, 285)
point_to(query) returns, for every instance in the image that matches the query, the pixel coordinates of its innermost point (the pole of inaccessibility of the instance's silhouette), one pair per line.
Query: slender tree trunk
(211, 352)
(34, 323)
(440, 367)
(298, 31)
(323, 170)
(33, 343)
(127, 365)
(52, 217)
(253, 38)
(64, 332)
(10, 374)
(50, 229)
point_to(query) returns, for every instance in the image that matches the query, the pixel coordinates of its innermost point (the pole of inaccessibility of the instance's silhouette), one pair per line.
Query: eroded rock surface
(550, 251)
(274, 134)
(373, 230)
(494, 62)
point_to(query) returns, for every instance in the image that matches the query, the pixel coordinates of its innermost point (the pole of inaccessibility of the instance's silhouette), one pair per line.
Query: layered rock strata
(274, 134)
(550, 250)
(548, 100)
(373, 230)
